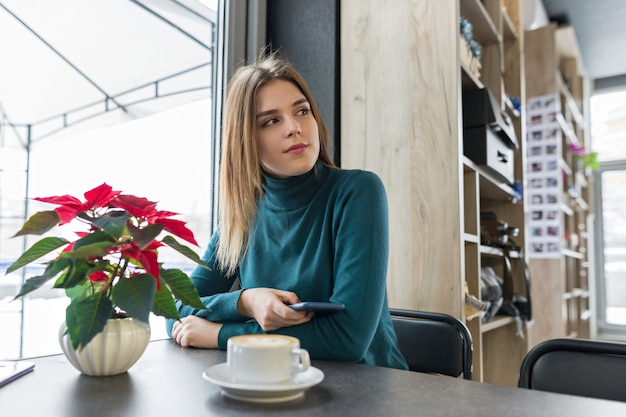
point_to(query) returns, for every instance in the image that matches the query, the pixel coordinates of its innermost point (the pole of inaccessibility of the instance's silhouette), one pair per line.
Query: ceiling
(600, 27)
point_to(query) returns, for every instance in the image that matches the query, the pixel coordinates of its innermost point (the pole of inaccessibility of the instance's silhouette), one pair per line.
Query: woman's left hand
(269, 307)
(194, 331)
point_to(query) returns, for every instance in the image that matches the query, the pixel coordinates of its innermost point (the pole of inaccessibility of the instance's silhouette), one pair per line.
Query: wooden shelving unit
(561, 284)
(496, 27)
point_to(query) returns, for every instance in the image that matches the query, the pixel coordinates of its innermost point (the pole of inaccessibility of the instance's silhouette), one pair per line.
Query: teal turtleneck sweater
(324, 236)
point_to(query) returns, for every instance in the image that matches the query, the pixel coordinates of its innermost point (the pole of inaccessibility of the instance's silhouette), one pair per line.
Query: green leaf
(93, 237)
(182, 287)
(58, 265)
(39, 249)
(76, 274)
(591, 160)
(39, 223)
(78, 292)
(164, 304)
(135, 295)
(173, 243)
(113, 223)
(144, 236)
(33, 283)
(91, 251)
(93, 245)
(87, 317)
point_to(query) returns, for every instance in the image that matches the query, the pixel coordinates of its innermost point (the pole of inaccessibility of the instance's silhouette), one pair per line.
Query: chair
(587, 368)
(434, 342)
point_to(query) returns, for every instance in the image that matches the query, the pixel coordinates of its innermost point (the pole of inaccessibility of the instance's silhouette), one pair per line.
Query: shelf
(586, 315)
(582, 204)
(508, 31)
(490, 187)
(577, 200)
(469, 80)
(484, 30)
(565, 167)
(511, 109)
(471, 238)
(569, 100)
(495, 323)
(572, 254)
(476, 315)
(567, 129)
(567, 210)
(580, 293)
(493, 251)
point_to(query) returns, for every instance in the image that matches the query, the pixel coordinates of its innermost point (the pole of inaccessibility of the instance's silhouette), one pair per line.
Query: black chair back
(587, 368)
(434, 342)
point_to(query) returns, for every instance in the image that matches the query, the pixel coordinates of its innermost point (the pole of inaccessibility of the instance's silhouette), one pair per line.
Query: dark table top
(167, 381)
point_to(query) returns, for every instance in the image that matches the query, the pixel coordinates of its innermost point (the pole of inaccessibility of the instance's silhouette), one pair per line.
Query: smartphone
(317, 306)
(11, 370)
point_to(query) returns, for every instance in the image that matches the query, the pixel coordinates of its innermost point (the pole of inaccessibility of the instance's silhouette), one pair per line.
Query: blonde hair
(240, 179)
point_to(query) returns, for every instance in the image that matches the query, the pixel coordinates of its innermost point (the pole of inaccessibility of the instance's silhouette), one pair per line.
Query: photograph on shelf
(544, 176)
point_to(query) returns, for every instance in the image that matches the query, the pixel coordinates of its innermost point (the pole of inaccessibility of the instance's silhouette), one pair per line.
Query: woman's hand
(269, 308)
(194, 331)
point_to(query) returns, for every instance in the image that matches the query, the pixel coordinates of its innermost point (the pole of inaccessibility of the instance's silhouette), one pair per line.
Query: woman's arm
(199, 328)
(214, 290)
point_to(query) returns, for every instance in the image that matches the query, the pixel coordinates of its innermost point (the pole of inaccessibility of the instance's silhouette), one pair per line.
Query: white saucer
(271, 393)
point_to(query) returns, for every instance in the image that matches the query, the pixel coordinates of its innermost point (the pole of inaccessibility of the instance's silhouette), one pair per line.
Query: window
(608, 122)
(132, 104)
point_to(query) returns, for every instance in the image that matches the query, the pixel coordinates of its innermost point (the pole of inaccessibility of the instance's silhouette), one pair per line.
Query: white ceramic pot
(112, 351)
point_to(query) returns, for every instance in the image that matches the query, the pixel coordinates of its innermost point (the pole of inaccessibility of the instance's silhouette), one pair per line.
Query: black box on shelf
(489, 138)
(485, 148)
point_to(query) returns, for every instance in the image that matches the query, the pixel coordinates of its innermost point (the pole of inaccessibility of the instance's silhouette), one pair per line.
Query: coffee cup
(265, 358)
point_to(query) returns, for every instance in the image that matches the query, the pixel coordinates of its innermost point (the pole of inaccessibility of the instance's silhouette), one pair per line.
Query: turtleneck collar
(294, 192)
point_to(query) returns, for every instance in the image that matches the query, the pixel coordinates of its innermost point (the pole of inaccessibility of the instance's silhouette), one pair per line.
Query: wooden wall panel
(541, 48)
(400, 118)
(547, 298)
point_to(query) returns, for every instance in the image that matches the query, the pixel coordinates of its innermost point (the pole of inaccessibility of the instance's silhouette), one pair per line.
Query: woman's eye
(269, 122)
(303, 112)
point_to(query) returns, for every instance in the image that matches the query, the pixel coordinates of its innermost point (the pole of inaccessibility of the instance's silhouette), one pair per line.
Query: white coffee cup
(265, 358)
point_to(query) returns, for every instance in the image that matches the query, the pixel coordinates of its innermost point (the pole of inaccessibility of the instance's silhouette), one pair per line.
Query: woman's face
(289, 142)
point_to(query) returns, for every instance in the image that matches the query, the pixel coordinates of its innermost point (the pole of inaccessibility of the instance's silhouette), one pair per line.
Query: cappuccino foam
(263, 340)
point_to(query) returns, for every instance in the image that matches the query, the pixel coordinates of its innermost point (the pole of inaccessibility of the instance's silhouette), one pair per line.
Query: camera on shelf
(495, 232)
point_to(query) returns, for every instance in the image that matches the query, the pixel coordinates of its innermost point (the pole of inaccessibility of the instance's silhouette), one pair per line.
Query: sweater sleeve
(360, 254)
(214, 290)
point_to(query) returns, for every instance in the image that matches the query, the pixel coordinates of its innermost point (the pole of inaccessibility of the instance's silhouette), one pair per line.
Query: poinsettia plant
(111, 270)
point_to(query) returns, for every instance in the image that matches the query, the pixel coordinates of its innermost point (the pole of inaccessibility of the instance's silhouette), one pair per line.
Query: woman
(292, 227)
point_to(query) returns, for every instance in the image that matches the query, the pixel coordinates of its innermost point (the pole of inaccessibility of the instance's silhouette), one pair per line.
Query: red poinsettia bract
(69, 206)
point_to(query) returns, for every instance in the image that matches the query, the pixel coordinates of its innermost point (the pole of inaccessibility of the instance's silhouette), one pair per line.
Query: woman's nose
(293, 128)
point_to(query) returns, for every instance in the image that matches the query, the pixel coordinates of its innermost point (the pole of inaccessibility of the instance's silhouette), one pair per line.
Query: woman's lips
(297, 148)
